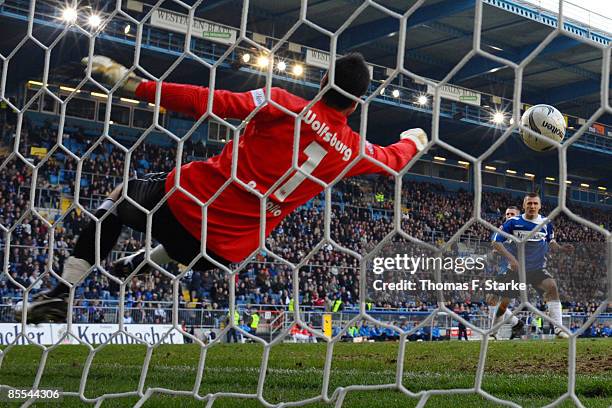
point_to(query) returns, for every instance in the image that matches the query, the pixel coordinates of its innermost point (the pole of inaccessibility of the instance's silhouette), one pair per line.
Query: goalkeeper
(265, 149)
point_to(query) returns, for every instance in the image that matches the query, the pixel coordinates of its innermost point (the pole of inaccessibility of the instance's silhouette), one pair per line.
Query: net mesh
(335, 396)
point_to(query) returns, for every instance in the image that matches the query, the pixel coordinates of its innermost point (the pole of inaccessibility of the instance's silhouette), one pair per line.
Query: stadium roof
(439, 34)
(567, 73)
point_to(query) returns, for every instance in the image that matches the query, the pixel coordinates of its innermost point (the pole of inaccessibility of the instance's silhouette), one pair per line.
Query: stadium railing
(273, 317)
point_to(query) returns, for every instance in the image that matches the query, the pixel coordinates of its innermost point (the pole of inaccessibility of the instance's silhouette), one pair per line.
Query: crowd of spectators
(365, 331)
(595, 330)
(359, 220)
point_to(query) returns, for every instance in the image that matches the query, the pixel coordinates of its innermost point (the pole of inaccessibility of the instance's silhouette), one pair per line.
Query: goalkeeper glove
(112, 72)
(418, 137)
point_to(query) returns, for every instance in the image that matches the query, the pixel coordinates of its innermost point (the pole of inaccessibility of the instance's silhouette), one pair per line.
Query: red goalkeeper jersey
(326, 146)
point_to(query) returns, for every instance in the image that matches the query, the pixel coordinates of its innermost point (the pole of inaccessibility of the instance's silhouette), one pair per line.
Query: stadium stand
(362, 216)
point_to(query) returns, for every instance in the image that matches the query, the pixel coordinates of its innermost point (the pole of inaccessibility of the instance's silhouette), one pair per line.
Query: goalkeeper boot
(123, 267)
(560, 334)
(517, 330)
(48, 306)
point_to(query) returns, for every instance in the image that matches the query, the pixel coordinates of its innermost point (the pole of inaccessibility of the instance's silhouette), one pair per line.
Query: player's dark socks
(85, 247)
(123, 267)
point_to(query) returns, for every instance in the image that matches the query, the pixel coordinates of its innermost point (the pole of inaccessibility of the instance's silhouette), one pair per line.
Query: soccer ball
(545, 120)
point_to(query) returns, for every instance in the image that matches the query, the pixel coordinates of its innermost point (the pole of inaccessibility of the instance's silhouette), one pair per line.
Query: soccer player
(232, 225)
(536, 249)
(500, 310)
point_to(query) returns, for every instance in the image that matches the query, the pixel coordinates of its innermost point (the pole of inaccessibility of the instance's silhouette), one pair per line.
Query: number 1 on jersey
(315, 153)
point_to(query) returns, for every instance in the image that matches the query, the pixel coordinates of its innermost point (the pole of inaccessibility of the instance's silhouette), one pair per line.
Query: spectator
(127, 319)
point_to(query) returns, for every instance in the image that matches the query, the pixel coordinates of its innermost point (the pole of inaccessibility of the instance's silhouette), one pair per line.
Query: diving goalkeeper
(232, 223)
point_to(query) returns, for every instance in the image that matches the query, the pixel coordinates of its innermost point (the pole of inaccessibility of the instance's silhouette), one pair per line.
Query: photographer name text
(429, 285)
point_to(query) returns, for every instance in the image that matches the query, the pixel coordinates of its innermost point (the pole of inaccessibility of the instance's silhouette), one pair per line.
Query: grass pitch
(529, 373)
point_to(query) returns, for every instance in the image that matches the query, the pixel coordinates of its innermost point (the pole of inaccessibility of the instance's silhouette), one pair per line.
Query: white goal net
(245, 40)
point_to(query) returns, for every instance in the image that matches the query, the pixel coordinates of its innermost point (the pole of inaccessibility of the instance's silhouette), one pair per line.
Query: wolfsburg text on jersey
(323, 131)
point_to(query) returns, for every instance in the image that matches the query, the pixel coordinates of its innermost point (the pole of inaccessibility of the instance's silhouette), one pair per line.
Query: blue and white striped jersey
(536, 247)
